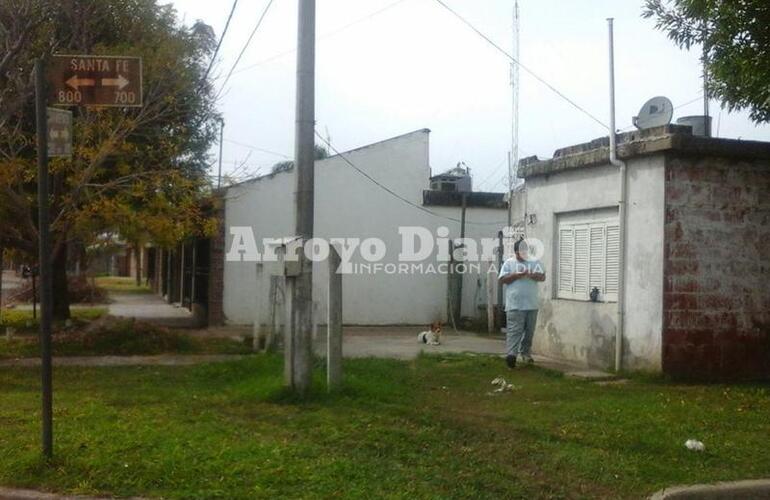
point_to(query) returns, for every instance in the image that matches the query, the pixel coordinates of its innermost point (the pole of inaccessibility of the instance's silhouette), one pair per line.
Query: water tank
(700, 124)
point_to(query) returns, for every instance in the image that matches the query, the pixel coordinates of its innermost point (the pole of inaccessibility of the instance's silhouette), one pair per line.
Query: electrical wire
(321, 37)
(245, 46)
(522, 66)
(396, 195)
(494, 171)
(255, 148)
(221, 39)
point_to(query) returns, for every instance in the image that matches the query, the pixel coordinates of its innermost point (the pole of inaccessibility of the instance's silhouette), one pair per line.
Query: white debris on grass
(502, 386)
(694, 445)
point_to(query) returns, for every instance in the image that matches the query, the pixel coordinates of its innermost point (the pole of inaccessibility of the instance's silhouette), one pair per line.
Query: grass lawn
(120, 337)
(116, 284)
(422, 429)
(21, 319)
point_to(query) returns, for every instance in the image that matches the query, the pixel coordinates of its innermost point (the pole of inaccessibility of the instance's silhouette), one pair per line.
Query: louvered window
(589, 256)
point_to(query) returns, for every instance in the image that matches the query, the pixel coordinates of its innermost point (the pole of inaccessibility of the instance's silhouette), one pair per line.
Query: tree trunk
(2, 251)
(61, 299)
(138, 260)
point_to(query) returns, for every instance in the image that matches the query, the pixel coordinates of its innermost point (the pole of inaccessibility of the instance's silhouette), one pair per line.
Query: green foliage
(735, 36)
(321, 153)
(21, 319)
(118, 337)
(140, 172)
(421, 429)
(115, 284)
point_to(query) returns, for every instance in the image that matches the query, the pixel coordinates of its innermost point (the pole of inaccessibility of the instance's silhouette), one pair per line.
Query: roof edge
(669, 138)
(273, 174)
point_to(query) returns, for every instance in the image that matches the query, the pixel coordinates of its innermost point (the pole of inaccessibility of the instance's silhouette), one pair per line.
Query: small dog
(432, 336)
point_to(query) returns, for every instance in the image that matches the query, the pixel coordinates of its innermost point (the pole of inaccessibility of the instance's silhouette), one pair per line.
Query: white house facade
(369, 192)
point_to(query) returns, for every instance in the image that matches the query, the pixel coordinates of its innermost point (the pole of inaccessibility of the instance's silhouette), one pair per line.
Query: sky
(388, 67)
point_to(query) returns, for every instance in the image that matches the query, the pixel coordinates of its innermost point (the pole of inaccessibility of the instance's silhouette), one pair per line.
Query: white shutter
(596, 267)
(613, 259)
(566, 270)
(582, 260)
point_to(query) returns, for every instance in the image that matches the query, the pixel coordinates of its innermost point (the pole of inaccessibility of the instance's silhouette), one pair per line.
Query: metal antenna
(514, 163)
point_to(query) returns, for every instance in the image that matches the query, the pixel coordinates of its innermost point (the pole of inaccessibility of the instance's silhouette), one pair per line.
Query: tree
(159, 150)
(735, 36)
(321, 153)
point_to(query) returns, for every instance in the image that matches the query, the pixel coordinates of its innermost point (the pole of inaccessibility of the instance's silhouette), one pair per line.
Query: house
(372, 192)
(696, 264)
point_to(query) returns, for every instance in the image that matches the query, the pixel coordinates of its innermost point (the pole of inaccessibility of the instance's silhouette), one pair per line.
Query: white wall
(585, 331)
(349, 205)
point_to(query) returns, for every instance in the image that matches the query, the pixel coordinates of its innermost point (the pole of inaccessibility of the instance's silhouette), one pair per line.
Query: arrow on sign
(119, 82)
(76, 82)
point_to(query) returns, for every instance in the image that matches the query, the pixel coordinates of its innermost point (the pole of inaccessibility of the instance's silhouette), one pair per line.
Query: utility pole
(44, 257)
(302, 349)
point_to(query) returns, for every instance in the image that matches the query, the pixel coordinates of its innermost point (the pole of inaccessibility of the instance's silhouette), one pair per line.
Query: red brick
(716, 302)
(682, 251)
(680, 301)
(682, 267)
(684, 285)
(687, 320)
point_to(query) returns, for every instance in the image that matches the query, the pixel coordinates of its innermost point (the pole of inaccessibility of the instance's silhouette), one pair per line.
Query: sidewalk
(150, 308)
(394, 342)
(401, 343)
(11, 284)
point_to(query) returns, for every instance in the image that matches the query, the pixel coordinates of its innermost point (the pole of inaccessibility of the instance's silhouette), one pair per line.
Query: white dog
(432, 336)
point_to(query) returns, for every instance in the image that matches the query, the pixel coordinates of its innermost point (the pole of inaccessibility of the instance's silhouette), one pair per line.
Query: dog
(432, 336)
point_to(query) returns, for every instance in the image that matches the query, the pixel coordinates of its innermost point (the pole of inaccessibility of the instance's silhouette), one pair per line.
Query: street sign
(95, 81)
(59, 132)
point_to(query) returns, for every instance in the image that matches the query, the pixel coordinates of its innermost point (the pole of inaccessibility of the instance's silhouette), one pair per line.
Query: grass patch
(121, 337)
(421, 429)
(21, 319)
(121, 285)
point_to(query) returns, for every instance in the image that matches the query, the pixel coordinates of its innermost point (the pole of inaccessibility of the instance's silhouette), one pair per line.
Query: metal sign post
(44, 244)
(114, 81)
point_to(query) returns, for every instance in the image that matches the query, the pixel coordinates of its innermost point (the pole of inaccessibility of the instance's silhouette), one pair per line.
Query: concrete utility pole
(305, 163)
(334, 324)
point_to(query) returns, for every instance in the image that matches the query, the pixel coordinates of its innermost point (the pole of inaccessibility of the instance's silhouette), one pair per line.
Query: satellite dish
(656, 112)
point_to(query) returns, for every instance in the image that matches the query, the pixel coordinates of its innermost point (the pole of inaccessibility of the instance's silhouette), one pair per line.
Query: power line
(246, 45)
(519, 64)
(255, 148)
(396, 195)
(690, 102)
(496, 169)
(325, 35)
(221, 39)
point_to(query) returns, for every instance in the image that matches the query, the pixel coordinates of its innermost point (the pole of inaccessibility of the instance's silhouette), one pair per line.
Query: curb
(752, 489)
(17, 494)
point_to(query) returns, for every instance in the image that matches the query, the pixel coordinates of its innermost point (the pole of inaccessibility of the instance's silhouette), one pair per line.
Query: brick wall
(716, 303)
(216, 314)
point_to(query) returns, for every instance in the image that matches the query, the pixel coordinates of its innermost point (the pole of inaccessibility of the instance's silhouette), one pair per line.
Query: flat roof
(674, 138)
(474, 199)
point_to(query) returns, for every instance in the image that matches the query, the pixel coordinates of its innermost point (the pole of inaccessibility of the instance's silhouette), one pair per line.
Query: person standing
(520, 275)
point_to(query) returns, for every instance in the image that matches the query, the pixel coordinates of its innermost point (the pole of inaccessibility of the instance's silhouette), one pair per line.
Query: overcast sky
(387, 67)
